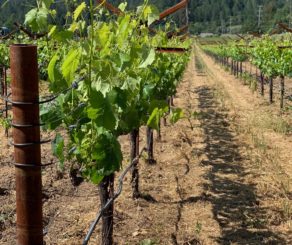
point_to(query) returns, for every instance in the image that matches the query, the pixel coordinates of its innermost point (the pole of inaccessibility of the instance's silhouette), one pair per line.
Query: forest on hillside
(217, 16)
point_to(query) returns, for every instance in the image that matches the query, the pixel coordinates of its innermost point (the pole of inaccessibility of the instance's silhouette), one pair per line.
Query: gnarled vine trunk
(149, 133)
(106, 191)
(271, 83)
(172, 100)
(262, 84)
(282, 92)
(134, 138)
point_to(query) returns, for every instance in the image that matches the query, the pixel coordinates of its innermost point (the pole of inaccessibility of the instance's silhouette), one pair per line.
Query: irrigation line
(116, 195)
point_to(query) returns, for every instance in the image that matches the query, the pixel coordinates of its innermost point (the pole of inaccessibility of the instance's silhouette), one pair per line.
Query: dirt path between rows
(264, 134)
(212, 184)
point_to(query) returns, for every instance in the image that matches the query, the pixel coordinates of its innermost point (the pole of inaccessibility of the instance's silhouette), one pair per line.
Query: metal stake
(24, 73)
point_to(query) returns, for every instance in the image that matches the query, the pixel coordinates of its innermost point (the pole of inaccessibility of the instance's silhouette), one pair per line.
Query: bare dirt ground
(223, 175)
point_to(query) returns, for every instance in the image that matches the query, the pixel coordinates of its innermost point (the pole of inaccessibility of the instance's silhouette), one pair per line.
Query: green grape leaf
(149, 13)
(130, 120)
(152, 14)
(101, 86)
(103, 34)
(176, 114)
(148, 90)
(70, 65)
(123, 30)
(106, 156)
(154, 119)
(123, 6)
(149, 60)
(62, 36)
(52, 68)
(101, 111)
(54, 75)
(52, 31)
(30, 19)
(160, 104)
(37, 19)
(95, 176)
(119, 97)
(79, 10)
(92, 113)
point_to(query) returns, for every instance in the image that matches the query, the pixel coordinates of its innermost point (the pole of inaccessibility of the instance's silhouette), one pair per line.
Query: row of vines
(108, 78)
(271, 56)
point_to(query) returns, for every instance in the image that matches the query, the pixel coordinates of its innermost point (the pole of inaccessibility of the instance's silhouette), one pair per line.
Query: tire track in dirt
(194, 223)
(180, 190)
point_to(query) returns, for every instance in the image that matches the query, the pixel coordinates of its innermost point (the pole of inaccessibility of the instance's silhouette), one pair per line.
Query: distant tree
(205, 15)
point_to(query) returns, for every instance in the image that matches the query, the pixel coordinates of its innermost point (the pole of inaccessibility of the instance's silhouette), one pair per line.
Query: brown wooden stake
(172, 101)
(27, 150)
(150, 142)
(262, 84)
(282, 91)
(159, 131)
(172, 10)
(134, 137)
(271, 82)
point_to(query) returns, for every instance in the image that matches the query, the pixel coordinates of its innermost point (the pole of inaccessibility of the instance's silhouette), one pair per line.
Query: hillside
(217, 15)
(205, 15)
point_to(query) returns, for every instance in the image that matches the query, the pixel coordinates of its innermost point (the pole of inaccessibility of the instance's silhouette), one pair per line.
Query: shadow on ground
(235, 204)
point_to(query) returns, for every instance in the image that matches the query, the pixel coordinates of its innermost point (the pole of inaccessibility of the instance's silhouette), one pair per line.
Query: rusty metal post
(5, 91)
(27, 150)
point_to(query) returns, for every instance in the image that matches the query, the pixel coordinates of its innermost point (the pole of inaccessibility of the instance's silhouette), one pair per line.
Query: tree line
(216, 16)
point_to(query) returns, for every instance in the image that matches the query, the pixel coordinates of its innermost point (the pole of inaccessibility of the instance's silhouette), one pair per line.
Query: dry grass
(263, 129)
